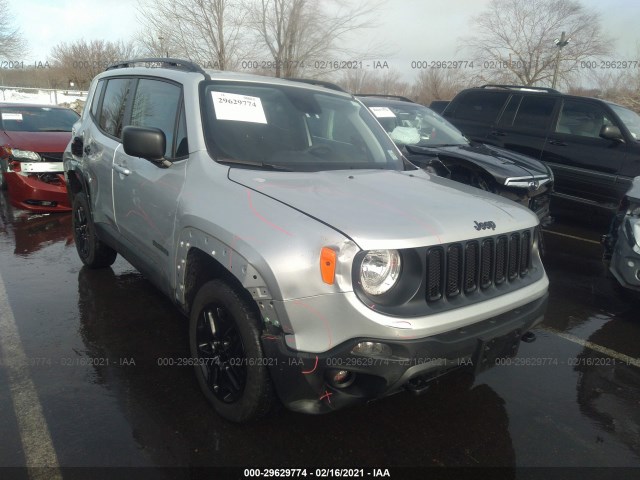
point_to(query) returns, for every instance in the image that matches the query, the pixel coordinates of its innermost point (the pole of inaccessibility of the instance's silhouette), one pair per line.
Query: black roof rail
(319, 83)
(390, 97)
(175, 63)
(519, 87)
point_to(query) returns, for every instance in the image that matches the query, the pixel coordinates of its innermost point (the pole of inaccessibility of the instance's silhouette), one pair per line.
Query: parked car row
(327, 249)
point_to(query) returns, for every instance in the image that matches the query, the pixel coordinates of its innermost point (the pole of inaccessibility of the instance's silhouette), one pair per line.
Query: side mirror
(144, 142)
(611, 132)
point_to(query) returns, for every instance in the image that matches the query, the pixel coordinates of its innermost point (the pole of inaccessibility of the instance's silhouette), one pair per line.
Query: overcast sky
(409, 29)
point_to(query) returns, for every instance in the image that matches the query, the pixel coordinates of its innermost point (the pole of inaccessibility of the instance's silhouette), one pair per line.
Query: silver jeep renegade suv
(315, 263)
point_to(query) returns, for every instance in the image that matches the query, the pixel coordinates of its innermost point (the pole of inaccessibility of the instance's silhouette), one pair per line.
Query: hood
(38, 141)
(390, 209)
(501, 163)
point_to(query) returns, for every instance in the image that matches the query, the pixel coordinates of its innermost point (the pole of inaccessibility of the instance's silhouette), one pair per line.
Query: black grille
(466, 267)
(435, 260)
(501, 260)
(471, 258)
(525, 253)
(454, 270)
(486, 254)
(514, 256)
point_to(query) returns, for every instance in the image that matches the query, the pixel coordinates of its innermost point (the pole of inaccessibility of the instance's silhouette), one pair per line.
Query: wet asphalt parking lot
(82, 385)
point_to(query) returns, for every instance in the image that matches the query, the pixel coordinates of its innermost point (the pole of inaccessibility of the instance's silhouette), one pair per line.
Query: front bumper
(29, 192)
(303, 380)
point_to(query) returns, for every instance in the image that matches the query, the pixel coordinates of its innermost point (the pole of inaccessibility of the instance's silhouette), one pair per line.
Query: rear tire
(92, 252)
(224, 337)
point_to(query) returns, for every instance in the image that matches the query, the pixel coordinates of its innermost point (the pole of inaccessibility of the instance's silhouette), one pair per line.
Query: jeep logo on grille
(484, 225)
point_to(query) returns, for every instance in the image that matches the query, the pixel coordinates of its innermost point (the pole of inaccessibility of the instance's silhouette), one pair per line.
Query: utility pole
(560, 43)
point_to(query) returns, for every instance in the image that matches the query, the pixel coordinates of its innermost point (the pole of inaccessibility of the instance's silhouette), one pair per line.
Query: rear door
(100, 140)
(145, 193)
(585, 165)
(524, 125)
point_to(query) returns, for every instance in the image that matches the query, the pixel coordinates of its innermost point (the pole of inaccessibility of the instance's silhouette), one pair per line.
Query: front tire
(92, 252)
(224, 337)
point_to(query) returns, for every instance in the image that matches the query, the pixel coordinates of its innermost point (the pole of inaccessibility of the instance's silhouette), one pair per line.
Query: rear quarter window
(113, 106)
(95, 102)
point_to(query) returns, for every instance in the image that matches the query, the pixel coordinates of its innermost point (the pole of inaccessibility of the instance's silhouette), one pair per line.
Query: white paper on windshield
(382, 112)
(12, 116)
(240, 108)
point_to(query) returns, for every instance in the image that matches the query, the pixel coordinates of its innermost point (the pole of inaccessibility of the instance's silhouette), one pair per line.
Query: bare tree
(82, 60)
(439, 84)
(12, 43)
(205, 31)
(385, 82)
(357, 80)
(294, 33)
(619, 85)
(515, 39)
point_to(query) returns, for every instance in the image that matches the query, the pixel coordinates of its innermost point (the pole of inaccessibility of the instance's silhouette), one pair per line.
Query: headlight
(379, 271)
(25, 155)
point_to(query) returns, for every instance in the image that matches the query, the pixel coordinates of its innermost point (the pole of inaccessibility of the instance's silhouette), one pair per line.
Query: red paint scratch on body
(327, 395)
(307, 372)
(255, 212)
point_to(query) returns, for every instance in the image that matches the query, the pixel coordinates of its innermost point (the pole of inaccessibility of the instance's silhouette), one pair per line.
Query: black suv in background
(432, 143)
(591, 145)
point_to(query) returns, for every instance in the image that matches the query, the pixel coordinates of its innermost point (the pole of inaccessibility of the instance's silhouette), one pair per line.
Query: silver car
(315, 264)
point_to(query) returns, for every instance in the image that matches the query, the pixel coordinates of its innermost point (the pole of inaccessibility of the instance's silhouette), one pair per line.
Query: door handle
(558, 143)
(498, 133)
(121, 169)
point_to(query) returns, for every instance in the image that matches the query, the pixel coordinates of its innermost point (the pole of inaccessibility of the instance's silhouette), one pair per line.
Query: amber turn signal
(328, 265)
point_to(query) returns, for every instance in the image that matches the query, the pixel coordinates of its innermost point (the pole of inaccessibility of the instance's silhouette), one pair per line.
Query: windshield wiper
(249, 163)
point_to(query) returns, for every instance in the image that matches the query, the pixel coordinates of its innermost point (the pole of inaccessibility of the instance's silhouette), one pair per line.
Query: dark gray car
(431, 142)
(592, 145)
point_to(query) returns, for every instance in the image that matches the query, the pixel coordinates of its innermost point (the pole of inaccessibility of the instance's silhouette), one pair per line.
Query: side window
(113, 105)
(481, 106)
(95, 103)
(581, 118)
(535, 112)
(156, 104)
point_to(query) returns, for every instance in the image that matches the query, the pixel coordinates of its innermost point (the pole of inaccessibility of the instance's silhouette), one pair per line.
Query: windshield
(293, 128)
(37, 119)
(412, 124)
(630, 118)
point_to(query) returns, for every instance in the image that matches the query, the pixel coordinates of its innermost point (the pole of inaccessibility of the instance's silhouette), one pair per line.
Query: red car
(32, 139)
